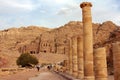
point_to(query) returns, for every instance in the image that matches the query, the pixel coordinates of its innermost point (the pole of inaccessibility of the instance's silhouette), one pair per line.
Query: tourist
(38, 67)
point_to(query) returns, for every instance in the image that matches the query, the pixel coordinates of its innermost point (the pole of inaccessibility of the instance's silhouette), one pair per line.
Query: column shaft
(80, 58)
(70, 58)
(88, 41)
(116, 60)
(100, 64)
(74, 58)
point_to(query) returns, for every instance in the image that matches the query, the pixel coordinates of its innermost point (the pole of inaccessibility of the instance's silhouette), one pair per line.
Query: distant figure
(38, 67)
(49, 67)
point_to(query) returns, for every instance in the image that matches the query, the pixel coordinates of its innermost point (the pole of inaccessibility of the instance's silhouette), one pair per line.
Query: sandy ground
(23, 75)
(48, 76)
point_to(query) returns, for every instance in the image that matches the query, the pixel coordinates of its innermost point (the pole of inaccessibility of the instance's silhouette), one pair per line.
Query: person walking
(38, 67)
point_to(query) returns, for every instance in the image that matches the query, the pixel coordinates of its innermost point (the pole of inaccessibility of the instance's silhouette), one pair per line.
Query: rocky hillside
(12, 39)
(57, 40)
(36, 40)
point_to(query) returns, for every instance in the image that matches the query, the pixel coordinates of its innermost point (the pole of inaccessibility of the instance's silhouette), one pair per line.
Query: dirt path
(33, 74)
(48, 76)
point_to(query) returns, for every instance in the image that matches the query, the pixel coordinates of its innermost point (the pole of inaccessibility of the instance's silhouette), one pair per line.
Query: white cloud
(68, 8)
(104, 11)
(63, 11)
(3, 24)
(56, 1)
(60, 1)
(9, 6)
(54, 12)
(101, 11)
(43, 11)
(27, 6)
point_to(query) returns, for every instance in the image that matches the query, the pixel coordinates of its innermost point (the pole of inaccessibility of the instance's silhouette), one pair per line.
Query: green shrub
(26, 60)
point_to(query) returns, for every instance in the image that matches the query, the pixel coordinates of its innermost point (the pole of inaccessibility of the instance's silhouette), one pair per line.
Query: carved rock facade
(57, 40)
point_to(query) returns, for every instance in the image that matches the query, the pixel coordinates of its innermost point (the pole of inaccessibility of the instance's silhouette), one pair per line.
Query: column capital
(85, 4)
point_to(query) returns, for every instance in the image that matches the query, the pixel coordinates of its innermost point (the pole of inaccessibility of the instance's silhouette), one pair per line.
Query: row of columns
(82, 63)
(86, 63)
(76, 61)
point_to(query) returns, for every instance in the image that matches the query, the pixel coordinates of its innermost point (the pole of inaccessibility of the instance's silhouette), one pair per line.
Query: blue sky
(54, 13)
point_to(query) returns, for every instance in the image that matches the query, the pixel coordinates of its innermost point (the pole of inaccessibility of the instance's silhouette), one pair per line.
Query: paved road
(47, 76)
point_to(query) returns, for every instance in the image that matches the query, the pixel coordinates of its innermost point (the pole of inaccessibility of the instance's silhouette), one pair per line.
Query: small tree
(26, 59)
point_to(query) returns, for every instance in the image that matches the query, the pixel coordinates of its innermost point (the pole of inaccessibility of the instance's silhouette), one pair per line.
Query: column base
(89, 78)
(101, 78)
(75, 74)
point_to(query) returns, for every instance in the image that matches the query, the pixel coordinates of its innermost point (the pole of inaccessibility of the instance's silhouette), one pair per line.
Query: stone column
(88, 40)
(74, 57)
(70, 57)
(80, 58)
(100, 64)
(116, 60)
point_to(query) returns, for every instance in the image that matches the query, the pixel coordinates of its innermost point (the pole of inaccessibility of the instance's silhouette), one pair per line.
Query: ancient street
(47, 75)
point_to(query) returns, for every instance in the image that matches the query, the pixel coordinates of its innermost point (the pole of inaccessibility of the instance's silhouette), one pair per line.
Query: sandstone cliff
(57, 40)
(36, 40)
(12, 39)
